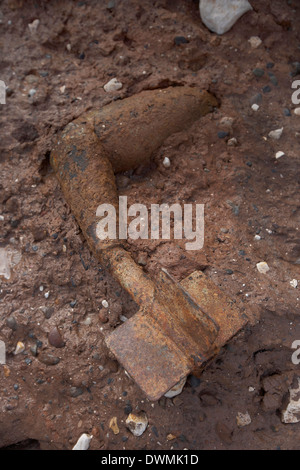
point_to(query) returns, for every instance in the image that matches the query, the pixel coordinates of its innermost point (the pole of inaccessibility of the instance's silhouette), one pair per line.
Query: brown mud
(54, 391)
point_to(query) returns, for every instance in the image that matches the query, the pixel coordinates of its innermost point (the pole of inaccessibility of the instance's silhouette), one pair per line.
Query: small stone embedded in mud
(275, 135)
(34, 26)
(279, 154)
(113, 424)
(262, 267)
(258, 72)
(177, 389)
(267, 89)
(11, 323)
(180, 40)
(83, 442)
(294, 283)
(166, 162)
(19, 348)
(219, 16)
(291, 414)
(243, 419)
(137, 424)
(9, 258)
(55, 338)
(76, 392)
(223, 134)
(48, 359)
(232, 142)
(104, 303)
(113, 85)
(255, 42)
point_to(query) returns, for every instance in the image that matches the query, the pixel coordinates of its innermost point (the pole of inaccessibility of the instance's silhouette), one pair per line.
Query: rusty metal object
(179, 327)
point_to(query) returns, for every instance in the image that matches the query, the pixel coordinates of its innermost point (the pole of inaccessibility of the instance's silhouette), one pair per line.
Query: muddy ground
(77, 48)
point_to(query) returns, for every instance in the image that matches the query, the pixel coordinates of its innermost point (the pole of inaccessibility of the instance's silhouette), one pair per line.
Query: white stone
(166, 162)
(177, 389)
(104, 303)
(294, 283)
(291, 414)
(83, 442)
(34, 26)
(275, 135)
(263, 267)
(19, 348)
(243, 419)
(257, 238)
(279, 154)
(8, 259)
(113, 85)
(297, 111)
(220, 15)
(137, 424)
(232, 142)
(2, 353)
(255, 107)
(255, 41)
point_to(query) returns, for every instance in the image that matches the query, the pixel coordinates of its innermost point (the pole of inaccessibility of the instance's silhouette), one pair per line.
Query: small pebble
(223, 134)
(243, 419)
(262, 267)
(297, 111)
(166, 162)
(275, 135)
(279, 155)
(137, 424)
(232, 142)
(258, 72)
(55, 338)
(19, 348)
(48, 359)
(180, 40)
(83, 442)
(33, 26)
(255, 42)
(104, 303)
(11, 323)
(255, 107)
(287, 112)
(257, 237)
(76, 392)
(31, 92)
(177, 389)
(113, 85)
(294, 283)
(267, 89)
(113, 424)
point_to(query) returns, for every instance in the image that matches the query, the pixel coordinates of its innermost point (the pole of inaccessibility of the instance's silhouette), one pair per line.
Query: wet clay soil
(51, 395)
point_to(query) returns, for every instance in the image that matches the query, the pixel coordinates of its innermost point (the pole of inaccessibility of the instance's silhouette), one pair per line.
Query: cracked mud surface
(49, 396)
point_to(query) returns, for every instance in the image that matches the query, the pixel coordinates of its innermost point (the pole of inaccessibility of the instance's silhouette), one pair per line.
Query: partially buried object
(220, 15)
(179, 326)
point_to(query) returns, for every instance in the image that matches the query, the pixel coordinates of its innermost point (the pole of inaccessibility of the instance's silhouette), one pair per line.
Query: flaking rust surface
(246, 192)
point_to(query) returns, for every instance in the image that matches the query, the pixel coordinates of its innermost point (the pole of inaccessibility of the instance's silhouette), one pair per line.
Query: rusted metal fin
(195, 322)
(152, 359)
(217, 305)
